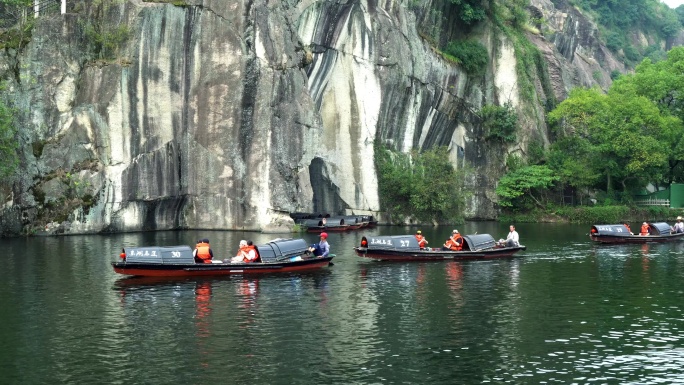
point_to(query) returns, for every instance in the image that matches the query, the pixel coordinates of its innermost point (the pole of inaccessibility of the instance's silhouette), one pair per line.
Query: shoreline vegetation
(596, 214)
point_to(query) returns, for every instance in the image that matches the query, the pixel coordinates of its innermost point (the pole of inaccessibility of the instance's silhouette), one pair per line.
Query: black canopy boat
(405, 248)
(281, 255)
(616, 234)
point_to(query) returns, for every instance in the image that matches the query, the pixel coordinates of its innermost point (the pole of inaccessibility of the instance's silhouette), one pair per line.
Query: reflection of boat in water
(285, 255)
(619, 234)
(405, 248)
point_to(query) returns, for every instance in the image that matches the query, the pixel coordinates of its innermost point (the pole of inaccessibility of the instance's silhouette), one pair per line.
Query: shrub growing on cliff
(8, 141)
(424, 186)
(469, 11)
(104, 37)
(500, 123)
(471, 54)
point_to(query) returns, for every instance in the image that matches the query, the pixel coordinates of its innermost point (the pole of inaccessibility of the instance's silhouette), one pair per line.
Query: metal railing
(653, 202)
(16, 15)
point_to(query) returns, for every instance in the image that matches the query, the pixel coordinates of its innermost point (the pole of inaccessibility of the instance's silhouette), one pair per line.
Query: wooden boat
(617, 234)
(325, 225)
(282, 255)
(405, 248)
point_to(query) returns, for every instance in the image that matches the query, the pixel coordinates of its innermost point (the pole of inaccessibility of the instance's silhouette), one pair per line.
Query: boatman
(322, 248)
(455, 242)
(645, 229)
(203, 253)
(679, 226)
(422, 242)
(513, 239)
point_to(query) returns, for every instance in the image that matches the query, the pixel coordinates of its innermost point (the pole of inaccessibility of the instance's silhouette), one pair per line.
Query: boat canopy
(612, 230)
(352, 220)
(335, 221)
(313, 222)
(477, 242)
(159, 254)
(661, 228)
(279, 249)
(393, 242)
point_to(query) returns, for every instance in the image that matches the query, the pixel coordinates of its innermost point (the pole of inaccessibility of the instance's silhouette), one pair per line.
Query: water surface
(565, 311)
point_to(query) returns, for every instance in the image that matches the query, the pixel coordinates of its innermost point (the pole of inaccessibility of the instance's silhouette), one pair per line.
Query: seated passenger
(455, 242)
(422, 242)
(645, 229)
(202, 252)
(679, 226)
(512, 239)
(246, 253)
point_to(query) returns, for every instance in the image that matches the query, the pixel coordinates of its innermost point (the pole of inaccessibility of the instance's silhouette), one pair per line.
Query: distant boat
(282, 255)
(324, 224)
(619, 234)
(405, 248)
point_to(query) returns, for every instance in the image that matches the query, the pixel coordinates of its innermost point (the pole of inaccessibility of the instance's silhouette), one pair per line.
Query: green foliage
(594, 214)
(103, 36)
(617, 135)
(8, 141)
(518, 188)
(19, 34)
(500, 123)
(536, 152)
(469, 11)
(471, 54)
(617, 18)
(424, 186)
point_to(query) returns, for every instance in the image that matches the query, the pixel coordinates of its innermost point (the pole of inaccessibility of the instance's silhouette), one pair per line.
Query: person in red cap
(322, 248)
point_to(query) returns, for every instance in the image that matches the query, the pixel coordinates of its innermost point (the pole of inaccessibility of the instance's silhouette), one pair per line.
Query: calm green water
(566, 311)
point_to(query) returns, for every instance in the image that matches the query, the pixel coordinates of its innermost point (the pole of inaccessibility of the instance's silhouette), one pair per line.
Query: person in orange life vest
(422, 242)
(645, 229)
(628, 229)
(246, 253)
(322, 248)
(455, 242)
(202, 252)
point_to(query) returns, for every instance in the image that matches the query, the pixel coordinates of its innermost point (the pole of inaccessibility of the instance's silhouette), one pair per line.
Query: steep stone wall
(230, 114)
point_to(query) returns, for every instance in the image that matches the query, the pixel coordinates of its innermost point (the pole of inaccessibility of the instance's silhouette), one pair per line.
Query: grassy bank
(596, 215)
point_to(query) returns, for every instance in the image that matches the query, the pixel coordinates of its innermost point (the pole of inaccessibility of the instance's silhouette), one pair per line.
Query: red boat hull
(434, 255)
(617, 240)
(216, 269)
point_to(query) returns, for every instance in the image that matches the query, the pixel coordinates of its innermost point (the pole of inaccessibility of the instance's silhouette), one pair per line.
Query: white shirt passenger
(513, 236)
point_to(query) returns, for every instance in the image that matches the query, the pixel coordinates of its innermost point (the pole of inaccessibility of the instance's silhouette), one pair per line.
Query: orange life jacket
(203, 252)
(644, 230)
(421, 240)
(455, 242)
(244, 253)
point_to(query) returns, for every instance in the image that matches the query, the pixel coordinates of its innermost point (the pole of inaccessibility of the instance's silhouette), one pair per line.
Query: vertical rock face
(230, 114)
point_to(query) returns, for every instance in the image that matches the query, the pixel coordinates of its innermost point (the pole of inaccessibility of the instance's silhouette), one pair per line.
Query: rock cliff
(218, 114)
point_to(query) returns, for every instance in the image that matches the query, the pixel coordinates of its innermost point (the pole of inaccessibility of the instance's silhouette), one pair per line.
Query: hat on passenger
(324, 235)
(455, 232)
(419, 232)
(243, 243)
(679, 218)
